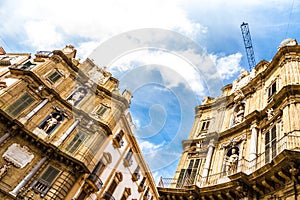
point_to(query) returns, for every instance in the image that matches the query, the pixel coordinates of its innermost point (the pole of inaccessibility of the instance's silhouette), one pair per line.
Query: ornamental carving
(17, 155)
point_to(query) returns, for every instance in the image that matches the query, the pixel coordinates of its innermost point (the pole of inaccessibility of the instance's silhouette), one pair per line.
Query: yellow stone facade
(66, 131)
(245, 143)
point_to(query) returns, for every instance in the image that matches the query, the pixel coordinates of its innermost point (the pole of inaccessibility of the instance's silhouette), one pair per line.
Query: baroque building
(245, 143)
(66, 131)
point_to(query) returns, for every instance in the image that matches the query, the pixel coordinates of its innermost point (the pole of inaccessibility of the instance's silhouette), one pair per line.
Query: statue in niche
(270, 113)
(239, 114)
(77, 96)
(231, 162)
(51, 122)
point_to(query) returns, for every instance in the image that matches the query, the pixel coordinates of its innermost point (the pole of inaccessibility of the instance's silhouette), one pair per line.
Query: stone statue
(270, 113)
(77, 96)
(51, 122)
(240, 114)
(3, 170)
(232, 161)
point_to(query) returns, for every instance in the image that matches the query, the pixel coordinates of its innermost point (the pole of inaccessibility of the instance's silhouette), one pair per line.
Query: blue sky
(168, 78)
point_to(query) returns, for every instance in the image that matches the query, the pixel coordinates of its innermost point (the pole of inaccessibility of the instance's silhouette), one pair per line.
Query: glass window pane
(20, 105)
(50, 174)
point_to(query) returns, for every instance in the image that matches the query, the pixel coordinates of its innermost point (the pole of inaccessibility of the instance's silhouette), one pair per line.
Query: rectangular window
(187, 176)
(76, 142)
(43, 184)
(128, 160)
(272, 90)
(20, 105)
(111, 190)
(142, 185)
(55, 76)
(270, 144)
(181, 178)
(136, 175)
(205, 125)
(101, 110)
(49, 175)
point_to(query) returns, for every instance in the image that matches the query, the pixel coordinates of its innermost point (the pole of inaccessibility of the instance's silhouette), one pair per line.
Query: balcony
(96, 181)
(108, 196)
(289, 142)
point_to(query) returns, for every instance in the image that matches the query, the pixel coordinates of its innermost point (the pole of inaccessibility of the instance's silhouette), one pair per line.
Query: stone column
(67, 133)
(253, 146)
(28, 177)
(4, 137)
(208, 161)
(35, 110)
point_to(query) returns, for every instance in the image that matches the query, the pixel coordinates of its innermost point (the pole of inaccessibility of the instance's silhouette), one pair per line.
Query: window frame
(270, 145)
(70, 147)
(41, 185)
(53, 72)
(12, 109)
(205, 125)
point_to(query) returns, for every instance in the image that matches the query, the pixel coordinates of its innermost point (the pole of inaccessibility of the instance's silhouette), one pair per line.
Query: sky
(170, 54)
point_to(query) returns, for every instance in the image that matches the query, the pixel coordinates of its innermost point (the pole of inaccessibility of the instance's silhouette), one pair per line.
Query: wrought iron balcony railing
(289, 141)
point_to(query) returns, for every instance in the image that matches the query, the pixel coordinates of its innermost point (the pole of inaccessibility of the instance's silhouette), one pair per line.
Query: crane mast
(248, 45)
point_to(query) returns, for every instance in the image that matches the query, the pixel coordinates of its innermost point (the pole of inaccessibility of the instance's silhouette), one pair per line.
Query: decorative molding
(18, 156)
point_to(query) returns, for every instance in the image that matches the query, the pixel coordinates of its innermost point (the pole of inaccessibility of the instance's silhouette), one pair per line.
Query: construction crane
(248, 45)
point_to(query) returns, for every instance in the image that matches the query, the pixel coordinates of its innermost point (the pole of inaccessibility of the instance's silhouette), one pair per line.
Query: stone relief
(243, 79)
(97, 75)
(17, 155)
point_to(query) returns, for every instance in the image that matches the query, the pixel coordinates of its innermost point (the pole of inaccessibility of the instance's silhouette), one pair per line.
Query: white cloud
(175, 70)
(39, 34)
(227, 66)
(53, 23)
(148, 147)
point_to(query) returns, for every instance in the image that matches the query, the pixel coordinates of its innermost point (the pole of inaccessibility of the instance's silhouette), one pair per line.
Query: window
(126, 193)
(117, 141)
(117, 179)
(205, 125)
(55, 76)
(101, 110)
(146, 194)
(20, 105)
(187, 176)
(272, 90)
(136, 174)
(141, 186)
(94, 177)
(128, 161)
(76, 142)
(43, 184)
(270, 144)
